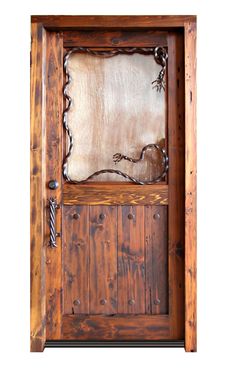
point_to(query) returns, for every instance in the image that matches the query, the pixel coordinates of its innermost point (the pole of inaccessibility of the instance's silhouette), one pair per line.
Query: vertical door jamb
(37, 190)
(190, 187)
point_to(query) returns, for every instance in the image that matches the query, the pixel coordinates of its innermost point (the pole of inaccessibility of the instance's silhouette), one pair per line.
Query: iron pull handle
(52, 222)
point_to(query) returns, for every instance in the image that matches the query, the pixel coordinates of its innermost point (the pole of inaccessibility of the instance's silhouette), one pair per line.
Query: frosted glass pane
(114, 109)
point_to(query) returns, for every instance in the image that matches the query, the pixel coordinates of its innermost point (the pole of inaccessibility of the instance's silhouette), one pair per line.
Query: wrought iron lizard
(118, 157)
(160, 56)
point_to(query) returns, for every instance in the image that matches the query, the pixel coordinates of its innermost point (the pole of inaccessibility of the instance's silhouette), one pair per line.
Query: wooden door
(113, 192)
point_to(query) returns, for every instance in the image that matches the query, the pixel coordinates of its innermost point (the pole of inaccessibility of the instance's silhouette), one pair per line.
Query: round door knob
(53, 184)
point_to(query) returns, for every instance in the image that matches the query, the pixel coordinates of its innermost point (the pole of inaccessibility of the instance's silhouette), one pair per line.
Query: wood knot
(131, 301)
(103, 301)
(102, 216)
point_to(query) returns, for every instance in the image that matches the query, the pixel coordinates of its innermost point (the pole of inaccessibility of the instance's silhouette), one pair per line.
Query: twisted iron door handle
(52, 222)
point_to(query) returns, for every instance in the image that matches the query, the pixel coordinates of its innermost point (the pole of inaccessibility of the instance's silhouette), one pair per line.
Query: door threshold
(113, 344)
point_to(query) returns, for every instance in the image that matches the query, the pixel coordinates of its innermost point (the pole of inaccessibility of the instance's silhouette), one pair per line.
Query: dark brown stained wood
(96, 327)
(156, 235)
(37, 192)
(47, 319)
(115, 22)
(54, 104)
(76, 259)
(131, 264)
(176, 182)
(115, 194)
(190, 190)
(150, 38)
(103, 260)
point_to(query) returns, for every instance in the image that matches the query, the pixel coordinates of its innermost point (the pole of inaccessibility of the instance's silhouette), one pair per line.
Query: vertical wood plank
(190, 189)
(156, 235)
(176, 182)
(103, 259)
(37, 198)
(131, 265)
(54, 104)
(76, 259)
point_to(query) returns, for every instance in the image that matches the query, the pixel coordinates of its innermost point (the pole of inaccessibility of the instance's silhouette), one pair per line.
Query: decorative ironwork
(160, 56)
(118, 157)
(52, 222)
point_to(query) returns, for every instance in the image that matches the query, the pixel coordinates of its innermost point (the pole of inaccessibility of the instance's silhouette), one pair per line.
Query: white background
(216, 191)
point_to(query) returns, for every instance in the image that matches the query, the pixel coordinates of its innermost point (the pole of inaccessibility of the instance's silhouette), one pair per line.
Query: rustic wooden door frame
(40, 27)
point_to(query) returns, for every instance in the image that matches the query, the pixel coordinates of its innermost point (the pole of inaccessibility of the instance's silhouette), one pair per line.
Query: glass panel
(115, 109)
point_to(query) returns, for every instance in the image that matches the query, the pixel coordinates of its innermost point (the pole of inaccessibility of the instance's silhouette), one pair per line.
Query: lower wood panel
(115, 260)
(131, 265)
(156, 237)
(103, 260)
(96, 327)
(76, 259)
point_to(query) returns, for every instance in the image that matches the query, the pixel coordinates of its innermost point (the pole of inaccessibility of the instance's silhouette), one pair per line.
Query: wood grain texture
(139, 327)
(116, 97)
(54, 105)
(190, 190)
(117, 22)
(37, 192)
(95, 327)
(115, 194)
(156, 264)
(122, 38)
(76, 259)
(131, 260)
(92, 236)
(103, 260)
(176, 182)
